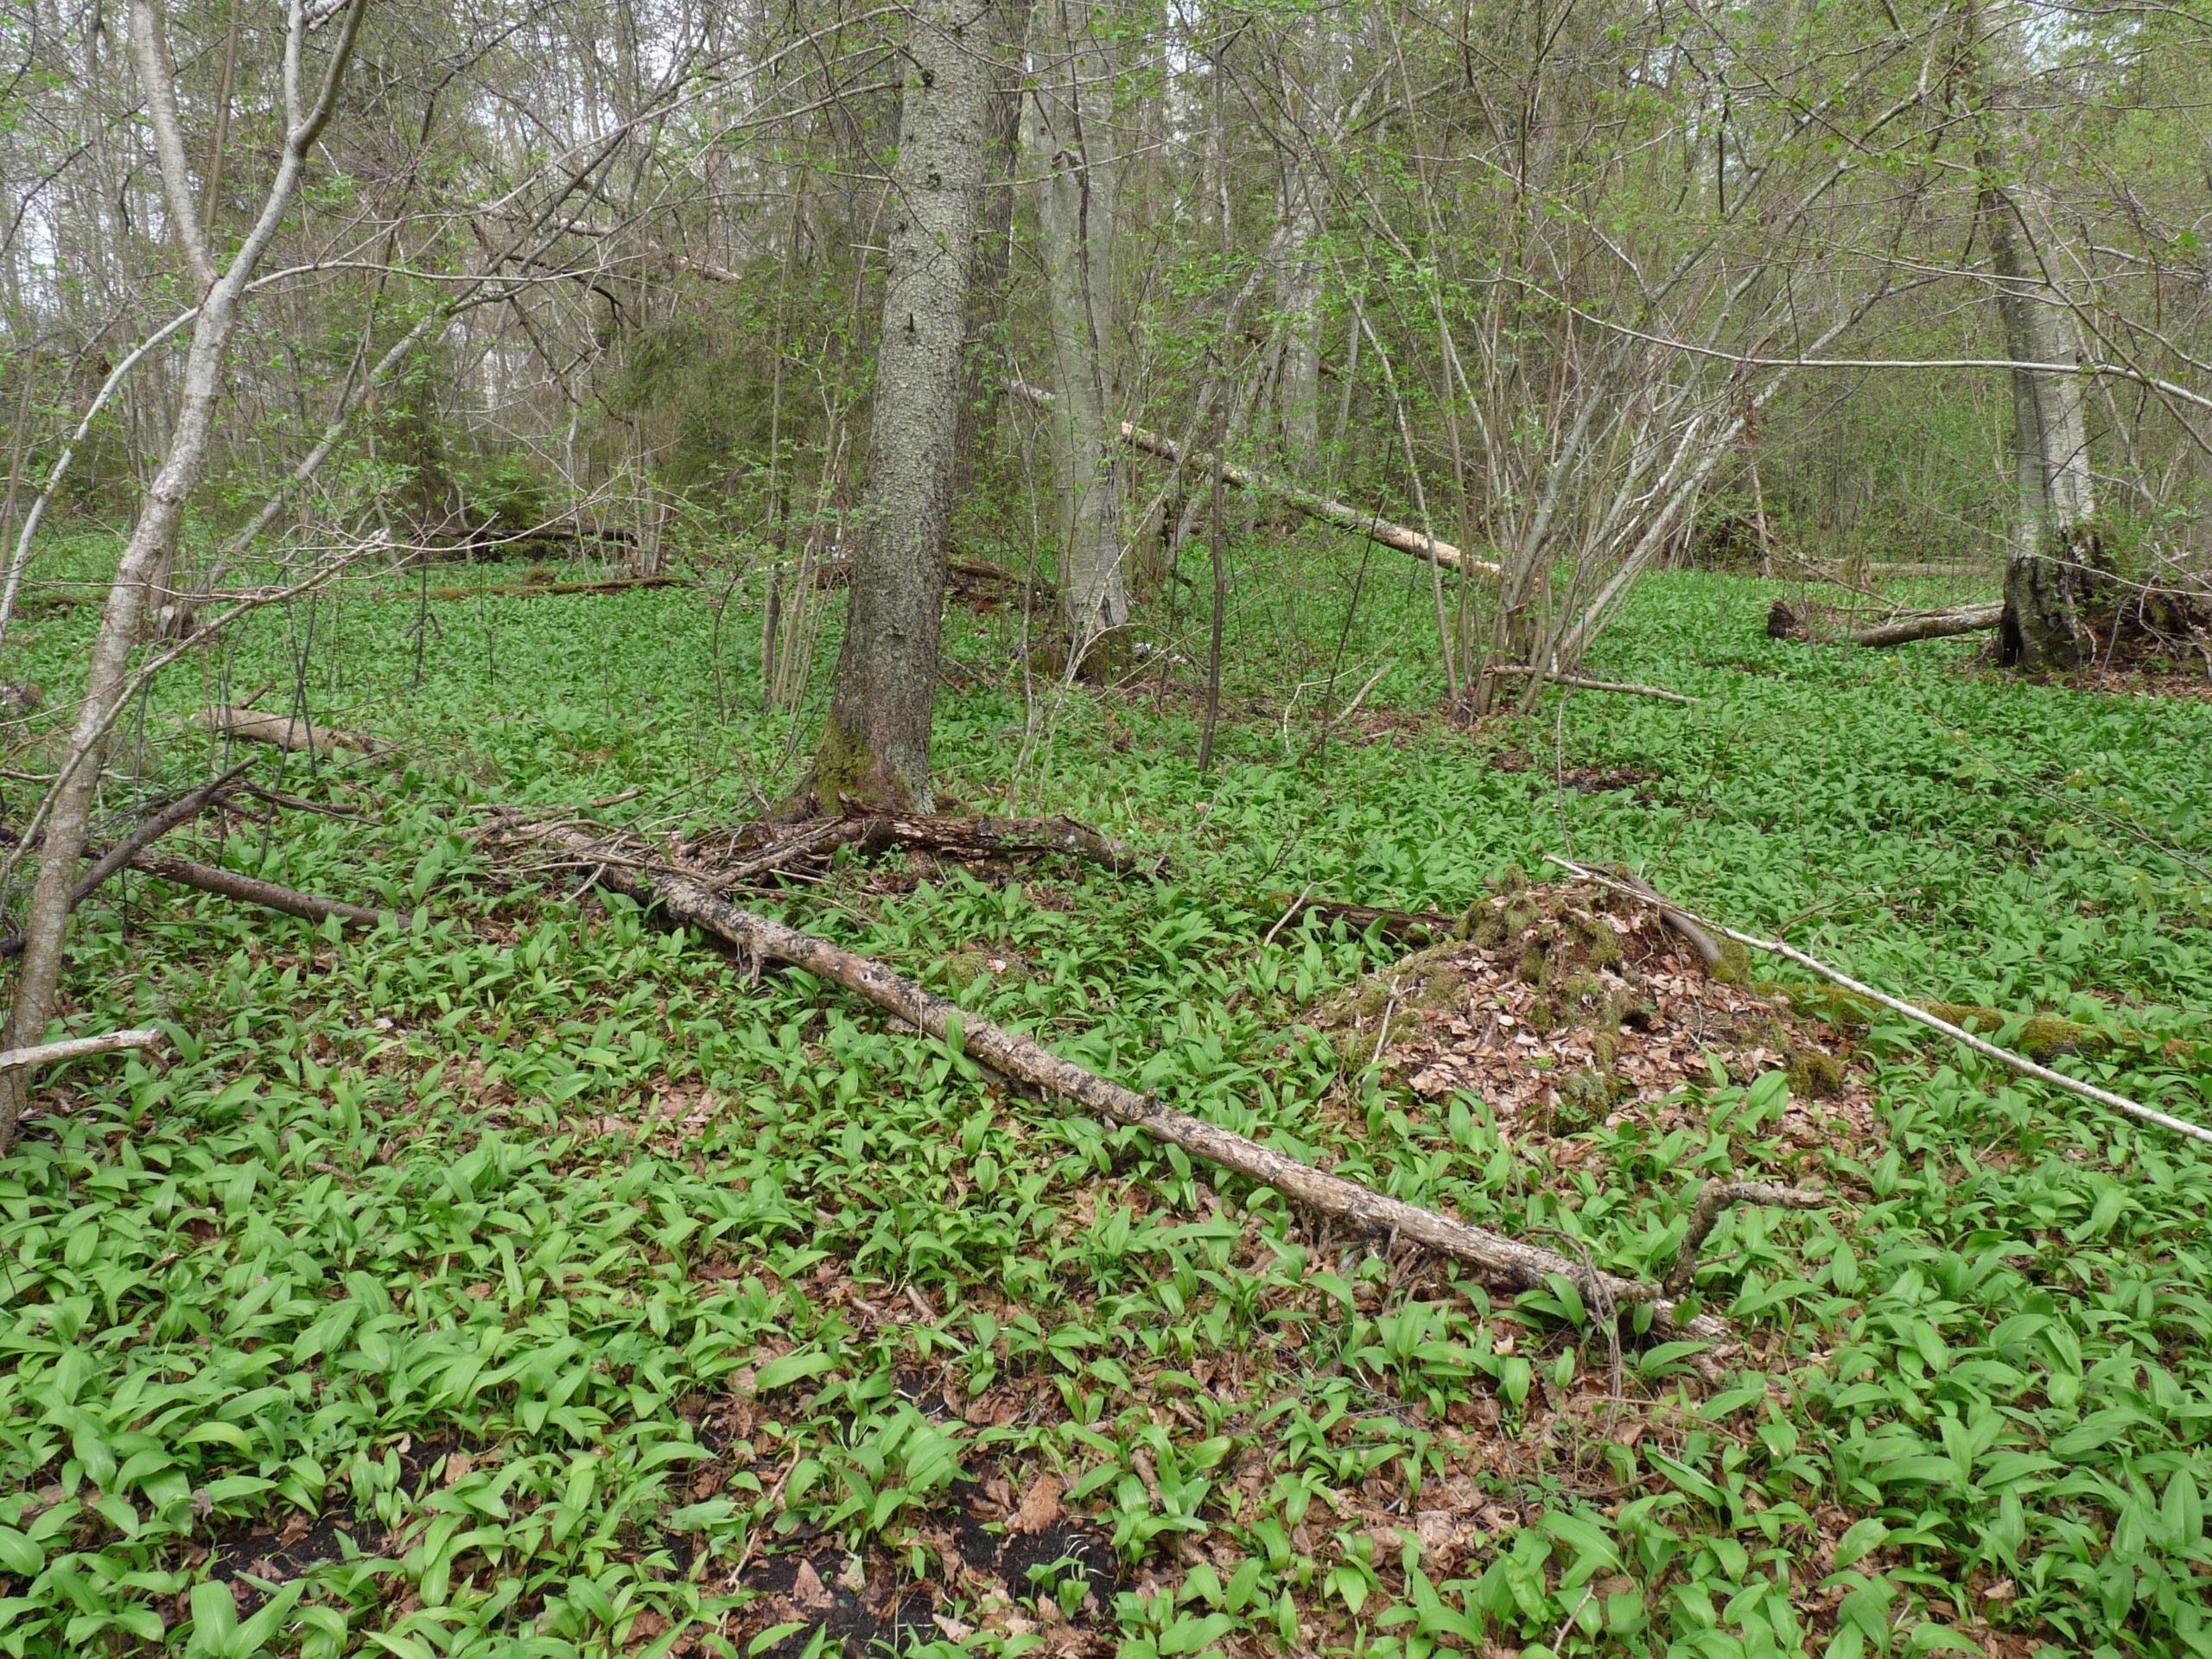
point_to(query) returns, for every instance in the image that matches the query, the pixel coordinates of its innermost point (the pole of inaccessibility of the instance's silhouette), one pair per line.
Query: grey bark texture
(875, 745)
(2055, 499)
(1076, 211)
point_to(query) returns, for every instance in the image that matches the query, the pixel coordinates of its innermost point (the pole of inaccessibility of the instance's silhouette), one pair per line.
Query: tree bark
(1076, 215)
(875, 744)
(2054, 497)
(152, 545)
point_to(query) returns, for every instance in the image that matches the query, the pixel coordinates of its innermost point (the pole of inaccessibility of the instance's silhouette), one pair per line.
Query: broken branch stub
(1526, 1266)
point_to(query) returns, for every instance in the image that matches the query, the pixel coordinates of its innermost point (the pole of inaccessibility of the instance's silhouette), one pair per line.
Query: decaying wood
(1509, 1260)
(2020, 1063)
(1628, 686)
(293, 734)
(1716, 1196)
(181, 811)
(77, 1048)
(1374, 526)
(1935, 625)
(252, 890)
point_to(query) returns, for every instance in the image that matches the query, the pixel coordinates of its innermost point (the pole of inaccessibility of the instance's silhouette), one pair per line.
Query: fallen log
(1935, 625)
(1526, 1266)
(1377, 529)
(289, 735)
(1628, 686)
(181, 811)
(251, 890)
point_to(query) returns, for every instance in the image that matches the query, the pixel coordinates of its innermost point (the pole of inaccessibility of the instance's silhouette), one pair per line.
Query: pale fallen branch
(291, 734)
(1939, 625)
(1716, 1196)
(1628, 687)
(1377, 529)
(77, 1048)
(2020, 1063)
(1523, 1265)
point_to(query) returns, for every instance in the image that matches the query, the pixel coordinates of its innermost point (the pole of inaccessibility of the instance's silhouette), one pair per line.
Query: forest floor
(526, 1278)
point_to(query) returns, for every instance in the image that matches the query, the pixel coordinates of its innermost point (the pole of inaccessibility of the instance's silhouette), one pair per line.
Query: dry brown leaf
(459, 1467)
(1040, 1506)
(806, 1587)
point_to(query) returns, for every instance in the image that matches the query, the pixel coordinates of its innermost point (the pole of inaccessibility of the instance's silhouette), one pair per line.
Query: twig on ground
(1627, 688)
(1716, 1196)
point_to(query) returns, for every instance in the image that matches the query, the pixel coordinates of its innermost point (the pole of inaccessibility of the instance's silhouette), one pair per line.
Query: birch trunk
(1076, 216)
(2054, 498)
(153, 543)
(875, 745)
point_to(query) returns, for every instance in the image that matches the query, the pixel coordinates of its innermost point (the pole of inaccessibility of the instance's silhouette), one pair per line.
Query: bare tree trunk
(994, 271)
(154, 539)
(2055, 499)
(1075, 213)
(875, 745)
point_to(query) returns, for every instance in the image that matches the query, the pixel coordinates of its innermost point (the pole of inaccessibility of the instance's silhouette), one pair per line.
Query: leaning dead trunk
(153, 544)
(1076, 216)
(875, 745)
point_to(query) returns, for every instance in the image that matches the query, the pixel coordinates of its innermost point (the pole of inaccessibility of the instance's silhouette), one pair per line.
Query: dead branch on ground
(77, 1048)
(182, 810)
(1509, 1260)
(1716, 1196)
(1627, 687)
(252, 890)
(291, 734)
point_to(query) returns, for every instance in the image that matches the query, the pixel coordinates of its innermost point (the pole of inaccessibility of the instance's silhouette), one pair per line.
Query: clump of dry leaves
(1564, 1005)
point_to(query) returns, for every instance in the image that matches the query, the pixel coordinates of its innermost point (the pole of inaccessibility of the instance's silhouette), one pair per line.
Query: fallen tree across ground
(1374, 526)
(1525, 1266)
(1784, 621)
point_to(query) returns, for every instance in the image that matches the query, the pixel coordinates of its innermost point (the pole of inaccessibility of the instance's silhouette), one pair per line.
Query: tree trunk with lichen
(875, 746)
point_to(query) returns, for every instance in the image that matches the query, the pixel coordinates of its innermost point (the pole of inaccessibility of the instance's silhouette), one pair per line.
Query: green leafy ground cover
(528, 1279)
